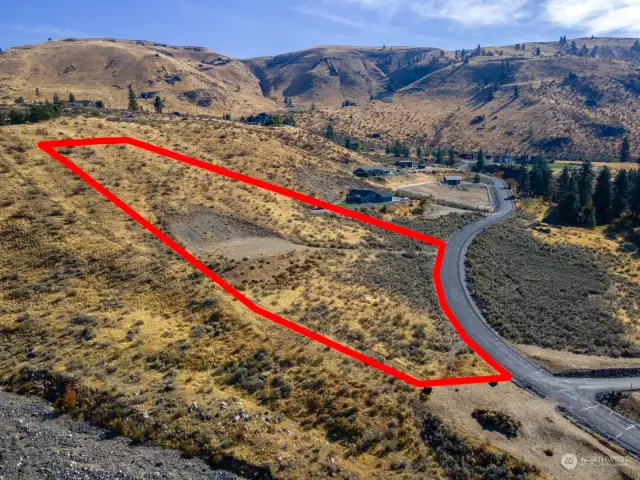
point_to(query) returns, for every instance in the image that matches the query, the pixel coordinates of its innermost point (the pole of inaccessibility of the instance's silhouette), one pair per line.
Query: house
(261, 119)
(404, 163)
(369, 196)
(452, 180)
(371, 171)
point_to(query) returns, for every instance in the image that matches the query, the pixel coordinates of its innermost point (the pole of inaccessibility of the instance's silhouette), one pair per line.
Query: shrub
(497, 420)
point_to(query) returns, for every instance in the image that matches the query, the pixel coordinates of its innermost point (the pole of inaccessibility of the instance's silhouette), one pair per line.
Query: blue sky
(248, 28)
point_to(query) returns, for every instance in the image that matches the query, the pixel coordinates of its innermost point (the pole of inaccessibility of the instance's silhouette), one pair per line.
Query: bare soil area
(207, 231)
(476, 196)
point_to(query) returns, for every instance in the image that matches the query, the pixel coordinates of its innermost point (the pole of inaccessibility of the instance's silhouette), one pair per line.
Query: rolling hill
(570, 101)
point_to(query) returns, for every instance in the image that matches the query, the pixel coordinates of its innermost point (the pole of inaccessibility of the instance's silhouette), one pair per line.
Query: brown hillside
(567, 106)
(102, 69)
(331, 75)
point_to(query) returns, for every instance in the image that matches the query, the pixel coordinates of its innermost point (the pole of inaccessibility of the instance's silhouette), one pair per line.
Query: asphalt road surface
(575, 395)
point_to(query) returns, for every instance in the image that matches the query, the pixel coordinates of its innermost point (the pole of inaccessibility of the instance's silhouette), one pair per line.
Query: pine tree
(419, 152)
(490, 94)
(524, 186)
(541, 177)
(72, 98)
(585, 182)
(329, 135)
(516, 92)
(636, 46)
(620, 193)
(56, 100)
(480, 162)
(634, 199)
(133, 103)
(478, 50)
(624, 150)
(347, 143)
(158, 104)
(603, 197)
(563, 184)
(452, 157)
(537, 51)
(570, 204)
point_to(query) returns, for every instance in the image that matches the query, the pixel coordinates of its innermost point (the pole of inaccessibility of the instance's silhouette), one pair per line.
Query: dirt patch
(206, 231)
(476, 196)
(442, 210)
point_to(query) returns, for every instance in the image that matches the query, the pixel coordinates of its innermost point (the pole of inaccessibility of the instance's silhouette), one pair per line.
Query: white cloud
(596, 16)
(341, 19)
(43, 30)
(466, 12)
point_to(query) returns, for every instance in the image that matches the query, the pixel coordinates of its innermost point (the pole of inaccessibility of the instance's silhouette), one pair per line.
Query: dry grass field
(100, 316)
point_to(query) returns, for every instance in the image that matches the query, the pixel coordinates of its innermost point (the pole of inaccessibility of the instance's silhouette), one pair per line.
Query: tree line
(581, 197)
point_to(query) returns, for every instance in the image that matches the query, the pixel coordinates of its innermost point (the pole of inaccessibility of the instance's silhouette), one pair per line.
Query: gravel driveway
(36, 442)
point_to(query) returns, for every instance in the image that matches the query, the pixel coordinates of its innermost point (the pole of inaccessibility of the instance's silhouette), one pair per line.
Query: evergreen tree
(620, 193)
(541, 177)
(99, 104)
(563, 184)
(347, 143)
(56, 100)
(158, 104)
(480, 162)
(636, 46)
(478, 50)
(387, 149)
(37, 92)
(570, 204)
(329, 135)
(590, 216)
(133, 103)
(624, 150)
(419, 152)
(490, 94)
(524, 186)
(634, 199)
(585, 182)
(72, 98)
(439, 156)
(452, 157)
(516, 93)
(537, 51)
(603, 197)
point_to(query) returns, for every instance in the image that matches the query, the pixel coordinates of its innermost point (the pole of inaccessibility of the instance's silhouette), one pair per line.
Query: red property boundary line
(503, 375)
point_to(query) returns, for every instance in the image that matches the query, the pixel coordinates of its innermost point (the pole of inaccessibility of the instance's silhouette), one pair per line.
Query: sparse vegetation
(553, 296)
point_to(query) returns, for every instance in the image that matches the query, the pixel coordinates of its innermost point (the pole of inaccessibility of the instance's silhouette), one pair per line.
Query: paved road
(576, 395)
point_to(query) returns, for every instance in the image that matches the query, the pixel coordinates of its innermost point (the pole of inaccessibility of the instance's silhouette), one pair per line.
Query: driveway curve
(576, 396)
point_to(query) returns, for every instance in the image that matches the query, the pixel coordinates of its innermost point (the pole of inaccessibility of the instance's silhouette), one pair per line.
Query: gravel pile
(36, 442)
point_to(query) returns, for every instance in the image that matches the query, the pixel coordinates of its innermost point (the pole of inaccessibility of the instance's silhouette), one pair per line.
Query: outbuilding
(452, 180)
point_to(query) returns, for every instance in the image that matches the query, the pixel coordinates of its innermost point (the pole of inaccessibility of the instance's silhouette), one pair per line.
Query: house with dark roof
(369, 196)
(371, 171)
(404, 163)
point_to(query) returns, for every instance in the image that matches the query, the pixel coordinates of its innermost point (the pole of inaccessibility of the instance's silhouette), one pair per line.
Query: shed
(369, 196)
(452, 180)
